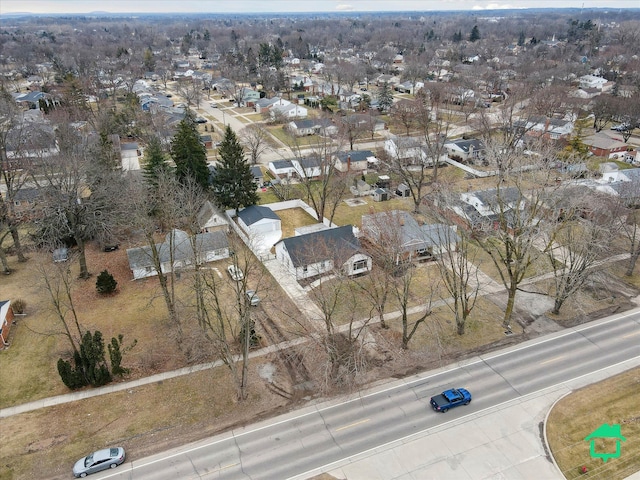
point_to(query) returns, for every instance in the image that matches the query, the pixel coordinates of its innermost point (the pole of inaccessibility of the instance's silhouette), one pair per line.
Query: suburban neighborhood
(209, 220)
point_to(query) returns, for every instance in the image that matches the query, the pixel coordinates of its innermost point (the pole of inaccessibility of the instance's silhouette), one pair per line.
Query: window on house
(360, 265)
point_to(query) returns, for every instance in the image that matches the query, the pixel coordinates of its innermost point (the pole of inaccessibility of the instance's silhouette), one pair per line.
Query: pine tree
(189, 155)
(385, 97)
(474, 36)
(155, 162)
(105, 283)
(233, 185)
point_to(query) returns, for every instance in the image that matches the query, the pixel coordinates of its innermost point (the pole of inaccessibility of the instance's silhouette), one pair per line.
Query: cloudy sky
(277, 6)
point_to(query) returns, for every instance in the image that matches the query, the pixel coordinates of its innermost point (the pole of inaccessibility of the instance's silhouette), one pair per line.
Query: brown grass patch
(612, 401)
(184, 409)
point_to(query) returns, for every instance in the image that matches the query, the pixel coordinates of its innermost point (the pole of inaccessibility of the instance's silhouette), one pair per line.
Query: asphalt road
(309, 439)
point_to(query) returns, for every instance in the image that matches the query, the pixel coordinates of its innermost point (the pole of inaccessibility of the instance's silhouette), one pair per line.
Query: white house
(627, 175)
(485, 202)
(591, 81)
(282, 168)
(410, 150)
(307, 167)
(211, 219)
(261, 224)
(322, 251)
(178, 250)
(465, 150)
(353, 160)
(289, 111)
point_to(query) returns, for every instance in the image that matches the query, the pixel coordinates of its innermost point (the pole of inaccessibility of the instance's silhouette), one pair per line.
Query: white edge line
(324, 468)
(233, 435)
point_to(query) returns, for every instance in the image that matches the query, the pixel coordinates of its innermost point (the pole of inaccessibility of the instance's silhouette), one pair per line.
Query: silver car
(99, 460)
(254, 299)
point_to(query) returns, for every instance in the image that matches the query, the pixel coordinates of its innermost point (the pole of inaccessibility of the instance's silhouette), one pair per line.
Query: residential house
(248, 97)
(288, 111)
(470, 150)
(405, 87)
(603, 145)
(6, 320)
(301, 83)
(265, 104)
(412, 240)
(484, 209)
(364, 122)
(592, 81)
(31, 99)
(178, 251)
(282, 168)
(261, 224)
(31, 140)
(210, 219)
(312, 126)
(626, 175)
(308, 168)
(545, 127)
(409, 150)
(353, 160)
(321, 252)
(25, 203)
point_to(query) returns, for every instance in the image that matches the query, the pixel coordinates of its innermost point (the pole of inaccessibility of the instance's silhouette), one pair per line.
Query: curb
(544, 433)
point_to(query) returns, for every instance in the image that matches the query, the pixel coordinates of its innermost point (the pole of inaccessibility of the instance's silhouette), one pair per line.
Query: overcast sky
(279, 6)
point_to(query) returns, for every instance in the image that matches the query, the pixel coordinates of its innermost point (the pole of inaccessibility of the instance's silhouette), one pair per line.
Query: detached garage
(261, 224)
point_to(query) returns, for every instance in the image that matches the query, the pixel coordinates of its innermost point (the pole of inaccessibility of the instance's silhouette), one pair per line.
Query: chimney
(349, 163)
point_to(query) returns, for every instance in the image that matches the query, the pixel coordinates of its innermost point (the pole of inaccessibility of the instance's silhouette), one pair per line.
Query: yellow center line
(353, 424)
(632, 334)
(229, 466)
(552, 360)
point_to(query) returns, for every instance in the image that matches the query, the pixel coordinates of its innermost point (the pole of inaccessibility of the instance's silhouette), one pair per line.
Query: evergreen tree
(233, 185)
(189, 155)
(521, 39)
(105, 283)
(155, 162)
(474, 36)
(385, 97)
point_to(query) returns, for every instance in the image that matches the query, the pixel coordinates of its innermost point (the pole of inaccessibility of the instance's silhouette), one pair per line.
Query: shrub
(90, 367)
(105, 283)
(19, 306)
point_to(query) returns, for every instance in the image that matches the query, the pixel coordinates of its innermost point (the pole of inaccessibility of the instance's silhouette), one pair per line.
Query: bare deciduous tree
(255, 139)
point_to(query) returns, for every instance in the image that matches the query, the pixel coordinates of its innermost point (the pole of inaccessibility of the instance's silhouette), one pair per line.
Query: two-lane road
(299, 442)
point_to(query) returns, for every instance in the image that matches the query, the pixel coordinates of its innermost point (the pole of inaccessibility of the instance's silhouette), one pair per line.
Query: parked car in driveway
(235, 273)
(98, 461)
(621, 128)
(253, 297)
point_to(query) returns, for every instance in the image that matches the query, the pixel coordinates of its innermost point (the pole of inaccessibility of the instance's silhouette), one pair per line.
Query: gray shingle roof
(340, 241)
(141, 257)
(255, 213)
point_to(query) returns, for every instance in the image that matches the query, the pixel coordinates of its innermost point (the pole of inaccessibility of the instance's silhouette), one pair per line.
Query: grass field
(612, 401)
